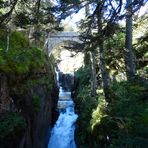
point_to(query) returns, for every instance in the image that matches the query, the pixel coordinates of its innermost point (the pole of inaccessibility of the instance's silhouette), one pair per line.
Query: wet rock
(66, 81)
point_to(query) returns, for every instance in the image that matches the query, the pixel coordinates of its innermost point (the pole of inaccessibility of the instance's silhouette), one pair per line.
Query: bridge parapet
(64, 34)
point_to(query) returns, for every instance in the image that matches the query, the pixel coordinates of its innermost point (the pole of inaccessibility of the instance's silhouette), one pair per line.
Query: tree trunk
(93, 63)
(129, 56)
(8, 39)
(7, 15)
(87, 10)
(93, 73)
(104, 72)
(37, 27)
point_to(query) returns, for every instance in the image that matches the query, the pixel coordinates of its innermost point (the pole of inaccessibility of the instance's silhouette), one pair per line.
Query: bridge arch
(60, 37)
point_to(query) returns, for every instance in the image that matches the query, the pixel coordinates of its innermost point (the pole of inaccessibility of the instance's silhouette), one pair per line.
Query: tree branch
(7, 15)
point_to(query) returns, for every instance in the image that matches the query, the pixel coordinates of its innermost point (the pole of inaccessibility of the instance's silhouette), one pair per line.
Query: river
(62, 134)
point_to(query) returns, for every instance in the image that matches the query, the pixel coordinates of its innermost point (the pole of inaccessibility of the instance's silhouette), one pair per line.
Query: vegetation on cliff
(12, 127)
(26, 78)
(121, 123)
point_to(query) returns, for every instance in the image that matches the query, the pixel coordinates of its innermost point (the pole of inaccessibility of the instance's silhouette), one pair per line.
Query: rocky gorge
(31, 101)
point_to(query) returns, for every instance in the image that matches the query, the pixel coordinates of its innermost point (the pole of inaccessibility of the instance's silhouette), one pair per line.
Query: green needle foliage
(12, 125)
(121, 123)
(21, 58)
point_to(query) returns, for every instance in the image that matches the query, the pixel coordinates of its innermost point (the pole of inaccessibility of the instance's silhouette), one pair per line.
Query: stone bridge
(59, 37)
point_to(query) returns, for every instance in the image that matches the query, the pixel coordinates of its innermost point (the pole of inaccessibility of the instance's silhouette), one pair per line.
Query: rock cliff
(33, 97)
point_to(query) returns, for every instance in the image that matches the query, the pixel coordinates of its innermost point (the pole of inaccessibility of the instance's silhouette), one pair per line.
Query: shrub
(121, 123)
(85, 104)
(11, 125)
(21, 57)
(21, 61)
(17, 40)
(83, 76)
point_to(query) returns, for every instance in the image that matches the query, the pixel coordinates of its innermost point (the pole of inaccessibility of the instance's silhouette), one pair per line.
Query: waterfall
(57, 76)
(62, 134)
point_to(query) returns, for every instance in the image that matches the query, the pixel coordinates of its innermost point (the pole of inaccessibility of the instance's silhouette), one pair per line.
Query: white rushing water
(62, 134)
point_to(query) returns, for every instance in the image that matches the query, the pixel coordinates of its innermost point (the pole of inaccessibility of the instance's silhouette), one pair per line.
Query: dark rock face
(37, 105)
(46, 118)
(66, 81)
(40, 123)
(6, 102)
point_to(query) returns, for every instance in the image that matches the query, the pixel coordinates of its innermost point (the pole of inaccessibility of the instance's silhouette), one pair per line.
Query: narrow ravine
(62, 134)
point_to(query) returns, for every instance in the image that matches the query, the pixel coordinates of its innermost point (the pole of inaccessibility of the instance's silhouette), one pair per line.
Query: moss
(99, 112)
(42, 80)
(21, 57)
(21, 61)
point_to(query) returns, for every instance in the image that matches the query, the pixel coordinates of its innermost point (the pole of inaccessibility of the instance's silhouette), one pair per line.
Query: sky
(68, 64)
(75, 18)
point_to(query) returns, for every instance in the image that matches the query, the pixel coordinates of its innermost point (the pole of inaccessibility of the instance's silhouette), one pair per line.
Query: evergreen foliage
(21, 57)
(12, 125)
(84, 107)
(83, 76)
(122, 123)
